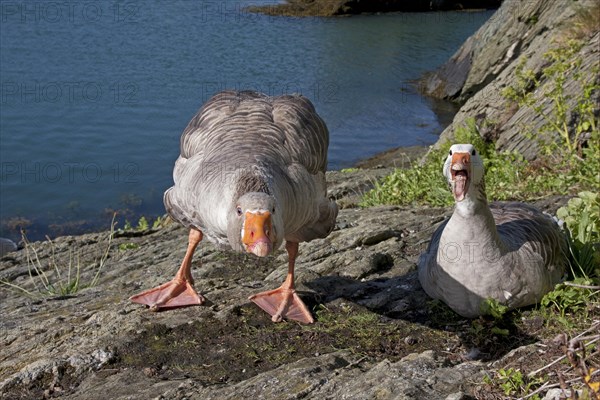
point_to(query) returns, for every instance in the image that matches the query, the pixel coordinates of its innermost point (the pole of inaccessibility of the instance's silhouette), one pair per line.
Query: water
(94, 95)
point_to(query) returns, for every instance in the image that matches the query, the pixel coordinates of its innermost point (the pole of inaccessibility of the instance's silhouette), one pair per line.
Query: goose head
(464, 171)
(255, 224)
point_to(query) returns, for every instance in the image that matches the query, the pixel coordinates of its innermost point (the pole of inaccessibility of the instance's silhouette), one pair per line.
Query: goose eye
(273, 210)
(473, 152)
(450, 152)
(239, 211)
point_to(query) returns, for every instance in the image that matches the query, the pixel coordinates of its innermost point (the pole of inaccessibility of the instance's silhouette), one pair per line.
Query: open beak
(460, 168)
(257, 233)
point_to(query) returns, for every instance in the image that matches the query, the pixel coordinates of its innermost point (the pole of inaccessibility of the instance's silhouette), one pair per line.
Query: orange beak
(257, 234)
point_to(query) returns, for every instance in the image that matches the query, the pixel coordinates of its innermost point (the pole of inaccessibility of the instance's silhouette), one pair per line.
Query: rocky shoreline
(336, 8)
(377, 334)
(92, 342)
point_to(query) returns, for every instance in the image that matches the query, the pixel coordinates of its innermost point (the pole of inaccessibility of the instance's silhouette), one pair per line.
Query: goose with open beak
(250, 176)
(510, 252)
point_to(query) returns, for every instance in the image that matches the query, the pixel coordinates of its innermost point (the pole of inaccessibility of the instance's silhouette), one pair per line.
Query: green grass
(514, 382)
(128, 246)
(144, 224)
(60, 277)
(508, 175)
(424, 183)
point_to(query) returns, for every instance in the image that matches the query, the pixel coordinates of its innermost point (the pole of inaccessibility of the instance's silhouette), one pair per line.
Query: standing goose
(511, 252)
(251, 174)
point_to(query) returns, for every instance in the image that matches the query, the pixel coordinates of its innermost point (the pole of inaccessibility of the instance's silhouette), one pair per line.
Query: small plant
(581, 216)
(513, 382)
(481, 327)
(57, 279)
(128, 246)
(494, 308)
(568, 298)
(142, 224)
(158, 222)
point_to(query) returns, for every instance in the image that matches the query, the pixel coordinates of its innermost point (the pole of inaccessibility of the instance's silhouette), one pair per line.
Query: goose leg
(179, 292)
(284, 302)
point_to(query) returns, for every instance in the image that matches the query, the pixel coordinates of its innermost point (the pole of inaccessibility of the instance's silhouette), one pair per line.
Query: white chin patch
(257, 211)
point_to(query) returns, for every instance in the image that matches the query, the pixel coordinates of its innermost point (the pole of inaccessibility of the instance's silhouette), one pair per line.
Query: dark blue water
(94, 95)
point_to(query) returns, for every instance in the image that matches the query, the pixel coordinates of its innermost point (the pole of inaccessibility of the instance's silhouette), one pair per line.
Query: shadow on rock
(401, 300)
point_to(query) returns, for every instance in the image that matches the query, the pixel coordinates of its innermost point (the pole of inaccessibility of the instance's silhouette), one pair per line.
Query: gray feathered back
(287, 130)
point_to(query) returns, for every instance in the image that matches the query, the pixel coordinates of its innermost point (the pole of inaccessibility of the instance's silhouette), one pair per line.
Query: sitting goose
(510, 252)
(251, 173)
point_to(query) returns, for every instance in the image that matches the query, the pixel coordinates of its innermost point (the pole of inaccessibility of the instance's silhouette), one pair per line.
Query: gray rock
(82, 345)
(6, 246)
(558, 394)
(457, 396)
(486, 63)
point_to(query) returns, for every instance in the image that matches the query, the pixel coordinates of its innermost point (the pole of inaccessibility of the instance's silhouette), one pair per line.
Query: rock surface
(486, 63)
(94, 342)
(6, 246)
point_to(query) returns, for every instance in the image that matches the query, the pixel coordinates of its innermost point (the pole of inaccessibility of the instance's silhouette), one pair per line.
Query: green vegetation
(567, 299)
(128, 246)
(143, 224)
(582, 221)
(58, 279)
(423, 182)
(569, 138)
(494, 308)
(159, 222)
(64, 277)
(513, 382)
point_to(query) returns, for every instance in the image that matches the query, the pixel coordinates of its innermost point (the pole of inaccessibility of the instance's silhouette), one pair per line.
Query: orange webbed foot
(179, 292)
(283, 303)
(173, 294)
